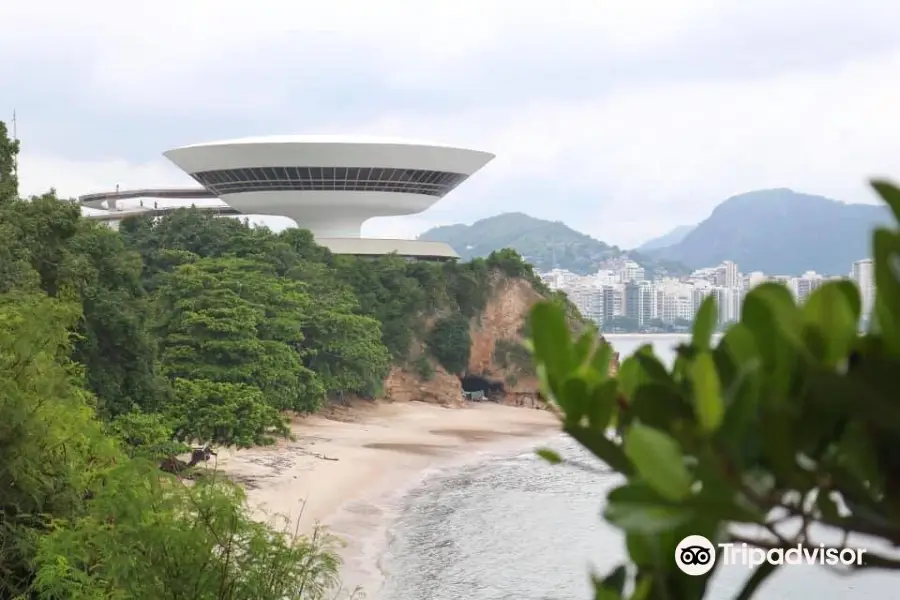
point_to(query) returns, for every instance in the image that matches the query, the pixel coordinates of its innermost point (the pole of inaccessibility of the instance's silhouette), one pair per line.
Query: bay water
(517, 528)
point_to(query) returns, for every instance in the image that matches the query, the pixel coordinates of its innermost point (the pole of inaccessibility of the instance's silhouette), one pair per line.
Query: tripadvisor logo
(695, 555)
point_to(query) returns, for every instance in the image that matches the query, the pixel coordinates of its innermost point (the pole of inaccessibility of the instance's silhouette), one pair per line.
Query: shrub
(509, 354)
(423, 367)
(794, 413)
(449, 342)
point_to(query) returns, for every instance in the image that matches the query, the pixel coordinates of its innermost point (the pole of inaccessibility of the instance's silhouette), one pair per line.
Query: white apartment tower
(807, 283)
(631, 271)
(728, 275)
(863, 273)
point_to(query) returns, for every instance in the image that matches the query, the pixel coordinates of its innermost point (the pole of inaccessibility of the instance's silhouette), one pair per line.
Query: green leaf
(574, 399)
(581, 350)
(651, 366)
(780, 451)
(612, 584)
(601, 593)
(602, 405)
(641, 548)
(707, 392)
(832, 313)
(602, 359)
(890, 194)
(658, 459)
(552, 344)
(741, 418)
(636, 508)
(738, 341)
(551, 456)
(602, 447)
(651, 551)
(641, 368)
(886, 249)
(705, 323)
(546, 385)
(779, 309)
(630, 376)
(856, 453)
(769, 314)
(660, 406)
(642, 589)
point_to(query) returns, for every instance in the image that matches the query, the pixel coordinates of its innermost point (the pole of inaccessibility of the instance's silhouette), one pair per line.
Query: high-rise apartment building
(863, 273)
(634, 301)
(619, 288)
(631, 271)
(806, 284)
(728, 275)
(728, 304)
(588, 300)
(610, 299)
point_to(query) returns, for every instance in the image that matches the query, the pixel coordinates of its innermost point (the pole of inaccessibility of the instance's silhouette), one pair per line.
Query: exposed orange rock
(503, 318)
(441, 388)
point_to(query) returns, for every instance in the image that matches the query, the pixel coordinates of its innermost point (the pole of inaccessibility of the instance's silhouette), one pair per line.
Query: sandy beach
(348, 469)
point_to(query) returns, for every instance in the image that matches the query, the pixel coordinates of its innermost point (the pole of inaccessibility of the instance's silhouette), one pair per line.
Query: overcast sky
(622, 118)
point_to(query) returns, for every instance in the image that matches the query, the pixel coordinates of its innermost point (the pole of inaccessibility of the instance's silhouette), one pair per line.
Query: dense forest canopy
(122, 349)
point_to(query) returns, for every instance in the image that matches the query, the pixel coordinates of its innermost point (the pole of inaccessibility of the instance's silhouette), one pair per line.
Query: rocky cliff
(496, 353)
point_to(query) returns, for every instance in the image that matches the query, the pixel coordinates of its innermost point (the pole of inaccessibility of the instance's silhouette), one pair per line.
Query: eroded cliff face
(502, 319)
(402, 385)
(496, 354)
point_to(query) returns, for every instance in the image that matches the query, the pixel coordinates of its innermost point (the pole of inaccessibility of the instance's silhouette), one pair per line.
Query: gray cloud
(623, 119)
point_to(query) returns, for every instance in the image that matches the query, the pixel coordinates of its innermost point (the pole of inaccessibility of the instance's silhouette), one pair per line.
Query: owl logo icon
(695, 555)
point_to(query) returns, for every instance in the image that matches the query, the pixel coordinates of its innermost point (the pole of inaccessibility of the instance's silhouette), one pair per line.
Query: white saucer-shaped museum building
(329, 185)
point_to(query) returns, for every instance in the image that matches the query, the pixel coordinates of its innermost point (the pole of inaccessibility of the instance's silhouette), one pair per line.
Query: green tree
(68, 255)
(468, 285)
(345, 347)
(184, 543)
(511, 263)
(79, 520)
(450, 343)
(229, 414)
(388, 294)
(792, 413)
(51, 448)
(233, 321)
(115, 346)
(9, 151)
(148, 435)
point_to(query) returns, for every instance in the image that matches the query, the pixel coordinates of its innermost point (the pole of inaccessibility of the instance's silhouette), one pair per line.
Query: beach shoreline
(350, 470)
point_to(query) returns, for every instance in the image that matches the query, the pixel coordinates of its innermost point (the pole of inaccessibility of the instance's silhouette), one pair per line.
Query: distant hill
(669, 239)
(780, 232)
(544, 244)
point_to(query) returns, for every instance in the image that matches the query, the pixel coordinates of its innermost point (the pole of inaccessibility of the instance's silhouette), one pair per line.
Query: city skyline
(621, 296)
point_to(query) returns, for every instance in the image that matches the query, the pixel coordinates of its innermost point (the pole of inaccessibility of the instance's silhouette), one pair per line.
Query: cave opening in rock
(475, 383)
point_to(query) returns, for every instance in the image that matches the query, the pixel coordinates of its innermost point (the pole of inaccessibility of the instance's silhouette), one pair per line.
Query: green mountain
(544, 244)
(781, 232)
(666, 240)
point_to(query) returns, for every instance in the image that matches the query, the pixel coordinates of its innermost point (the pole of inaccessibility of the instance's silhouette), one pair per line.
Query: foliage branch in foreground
(790, 421)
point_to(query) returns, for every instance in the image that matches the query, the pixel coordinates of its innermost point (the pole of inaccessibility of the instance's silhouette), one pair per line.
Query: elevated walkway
(97, 199)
